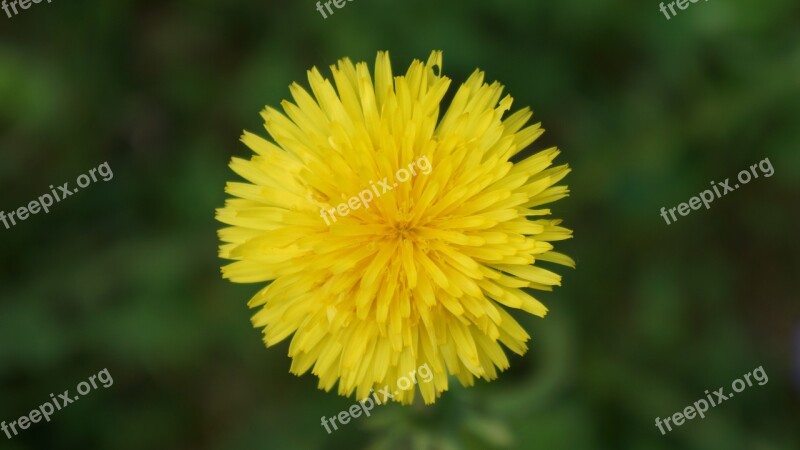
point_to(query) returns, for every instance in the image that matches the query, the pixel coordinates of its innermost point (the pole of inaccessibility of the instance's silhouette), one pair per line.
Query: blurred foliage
(124, 275)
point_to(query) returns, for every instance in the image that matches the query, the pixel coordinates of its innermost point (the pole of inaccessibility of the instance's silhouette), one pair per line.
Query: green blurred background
(124, 275)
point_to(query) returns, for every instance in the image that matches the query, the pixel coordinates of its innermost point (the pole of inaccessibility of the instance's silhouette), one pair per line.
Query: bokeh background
(648, 111)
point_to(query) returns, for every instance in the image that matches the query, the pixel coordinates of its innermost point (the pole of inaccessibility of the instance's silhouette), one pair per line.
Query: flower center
(403, 230)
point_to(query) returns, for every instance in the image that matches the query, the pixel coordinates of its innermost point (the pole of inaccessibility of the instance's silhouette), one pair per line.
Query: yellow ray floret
(372, 285)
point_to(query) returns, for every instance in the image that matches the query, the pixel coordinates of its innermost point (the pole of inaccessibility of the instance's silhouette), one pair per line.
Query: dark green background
(124, 275)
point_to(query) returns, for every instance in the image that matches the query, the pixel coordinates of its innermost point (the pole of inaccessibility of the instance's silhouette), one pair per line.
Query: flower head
(426, 271)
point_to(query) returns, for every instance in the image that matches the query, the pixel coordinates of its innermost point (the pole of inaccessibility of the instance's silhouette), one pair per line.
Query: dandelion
(428, 273)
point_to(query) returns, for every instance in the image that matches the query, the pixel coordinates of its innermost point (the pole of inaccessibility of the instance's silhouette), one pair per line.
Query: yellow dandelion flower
(423, 272)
